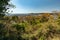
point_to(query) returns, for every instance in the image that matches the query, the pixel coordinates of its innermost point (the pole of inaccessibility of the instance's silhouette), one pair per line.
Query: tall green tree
(4, 6)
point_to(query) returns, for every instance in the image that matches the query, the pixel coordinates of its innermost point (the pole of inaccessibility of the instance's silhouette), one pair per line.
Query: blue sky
(32, 6)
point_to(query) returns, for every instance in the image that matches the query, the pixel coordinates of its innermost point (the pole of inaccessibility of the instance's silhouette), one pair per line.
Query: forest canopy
(38, 27)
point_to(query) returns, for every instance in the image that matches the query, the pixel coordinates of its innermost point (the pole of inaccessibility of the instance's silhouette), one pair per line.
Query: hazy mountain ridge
(27, 14)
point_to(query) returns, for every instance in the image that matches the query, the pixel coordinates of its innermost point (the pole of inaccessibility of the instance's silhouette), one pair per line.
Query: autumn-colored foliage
(39, 27)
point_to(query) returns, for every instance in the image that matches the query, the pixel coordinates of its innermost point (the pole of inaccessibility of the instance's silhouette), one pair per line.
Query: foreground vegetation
(39, 27)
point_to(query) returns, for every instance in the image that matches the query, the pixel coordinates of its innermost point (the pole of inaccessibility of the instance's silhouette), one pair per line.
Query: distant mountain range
(22, 14)
(27, 14)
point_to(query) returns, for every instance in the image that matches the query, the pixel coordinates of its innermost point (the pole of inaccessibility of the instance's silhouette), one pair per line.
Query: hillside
(30, 27)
